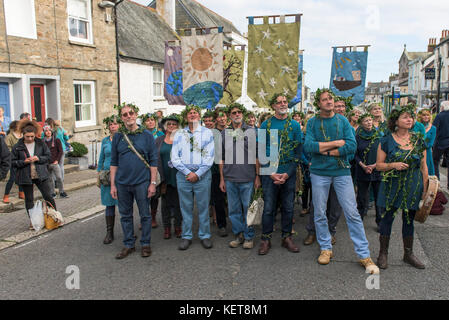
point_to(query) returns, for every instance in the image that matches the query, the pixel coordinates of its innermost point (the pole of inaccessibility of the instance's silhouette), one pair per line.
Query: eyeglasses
(236, 112)
(172, 123)
(282, 102)
(126, 114)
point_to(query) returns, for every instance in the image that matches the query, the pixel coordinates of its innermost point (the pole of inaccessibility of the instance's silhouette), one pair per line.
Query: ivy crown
(275, 97)
(111, 119)
(119, 107)
(208, 114)
(239, 106)
(148, 115)
(363, 116)
(318, 94)
(396, 113)
(220, 112)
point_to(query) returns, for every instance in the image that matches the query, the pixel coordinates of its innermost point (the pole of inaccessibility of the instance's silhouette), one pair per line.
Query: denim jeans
(344, 189)
(126, 196)
(333, 213)
(239, 198)
(186, 192)
(270, 194)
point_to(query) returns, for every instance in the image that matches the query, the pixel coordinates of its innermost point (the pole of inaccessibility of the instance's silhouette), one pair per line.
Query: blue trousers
(239, 197)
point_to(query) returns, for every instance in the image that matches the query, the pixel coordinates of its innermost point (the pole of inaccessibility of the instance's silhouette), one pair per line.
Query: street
(42, 268)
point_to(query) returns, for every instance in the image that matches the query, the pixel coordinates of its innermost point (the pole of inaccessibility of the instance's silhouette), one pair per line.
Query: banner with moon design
(348, 73)
(202, 62)
(173, 74)
(272, 59)
(233, 65)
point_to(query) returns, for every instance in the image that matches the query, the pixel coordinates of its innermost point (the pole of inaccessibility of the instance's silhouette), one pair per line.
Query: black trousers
(363, 198)
(218, 200)
(45, 189)
(437, 153)
(170, 207)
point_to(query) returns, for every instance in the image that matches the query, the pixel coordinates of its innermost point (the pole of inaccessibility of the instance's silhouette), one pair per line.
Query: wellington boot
(409, 257)
(382, 260)
(110, 220)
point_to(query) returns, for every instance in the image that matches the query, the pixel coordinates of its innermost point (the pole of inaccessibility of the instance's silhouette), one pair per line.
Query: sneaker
(222, 232)
(325, 257)
(237, 241)
(369, 265)
(63, 195)
(248, 244)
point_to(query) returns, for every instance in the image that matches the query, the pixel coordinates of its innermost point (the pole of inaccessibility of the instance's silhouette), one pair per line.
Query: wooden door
(38, 103)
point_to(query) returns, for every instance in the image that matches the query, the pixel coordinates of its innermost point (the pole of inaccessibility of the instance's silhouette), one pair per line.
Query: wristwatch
(154, 182)
(328, 154)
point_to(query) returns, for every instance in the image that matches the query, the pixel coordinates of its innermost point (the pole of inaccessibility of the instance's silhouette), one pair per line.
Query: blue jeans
(186, 192)
(239, 197)
(126, 196)
(344, 189)
(270, 194)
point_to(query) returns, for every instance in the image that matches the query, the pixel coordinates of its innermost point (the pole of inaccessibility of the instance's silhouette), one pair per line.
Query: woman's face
(405, 121)
(297, 118)
(376, 111)
(367, 123)
(355, 117)
(425, 117)
(171, 126)
(113, 127)
(28, 137)
(150, 123)
(252, 121)
(47, 133)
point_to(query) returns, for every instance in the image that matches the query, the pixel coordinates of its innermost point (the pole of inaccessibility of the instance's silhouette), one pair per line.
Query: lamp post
(438, 81)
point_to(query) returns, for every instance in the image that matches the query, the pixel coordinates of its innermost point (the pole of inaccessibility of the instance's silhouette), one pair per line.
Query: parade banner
(173, 74)
(348, 73)
(298, 98)
(202, 61)
(234, 61)
(272, 59)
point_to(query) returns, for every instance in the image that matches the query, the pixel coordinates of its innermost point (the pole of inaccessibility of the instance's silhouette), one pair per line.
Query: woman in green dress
(401, 156)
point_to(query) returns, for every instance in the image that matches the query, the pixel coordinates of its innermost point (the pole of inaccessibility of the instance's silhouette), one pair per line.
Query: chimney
(166, 9)
(432, 44)
(444, 35)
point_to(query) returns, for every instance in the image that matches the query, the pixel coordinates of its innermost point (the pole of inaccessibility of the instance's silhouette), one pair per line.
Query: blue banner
(348, 74)
(297, 99)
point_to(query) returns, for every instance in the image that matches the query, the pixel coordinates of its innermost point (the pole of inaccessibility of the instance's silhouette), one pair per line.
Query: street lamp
(438, 81)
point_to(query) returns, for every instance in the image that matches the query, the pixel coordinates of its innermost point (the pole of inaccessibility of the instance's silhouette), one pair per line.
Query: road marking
(95, 216)
(31, 241)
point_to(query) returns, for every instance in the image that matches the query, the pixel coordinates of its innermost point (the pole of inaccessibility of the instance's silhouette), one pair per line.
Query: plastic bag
(37, 216)
(255, 210)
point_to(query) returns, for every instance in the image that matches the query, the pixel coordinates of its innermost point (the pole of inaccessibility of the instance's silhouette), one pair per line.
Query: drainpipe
(117, 54)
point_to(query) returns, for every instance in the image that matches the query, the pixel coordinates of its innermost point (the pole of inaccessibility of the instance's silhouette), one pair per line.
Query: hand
(151, 190)
(192, 177)
(282, 179)
(34, 159)
(275, 177)
(56, 162)
(257, 183)
(340, 143)
(222, 186)
(114, 192)
(3, 133)
(27, 160)
(400, 166)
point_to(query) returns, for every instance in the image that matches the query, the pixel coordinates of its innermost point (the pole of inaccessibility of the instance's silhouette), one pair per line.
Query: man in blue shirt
(281, 180)
(192, 154)
(331, 144)
(132, 180)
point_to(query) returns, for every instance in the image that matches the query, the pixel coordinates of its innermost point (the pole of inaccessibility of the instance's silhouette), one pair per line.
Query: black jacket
(20, 153)
(5, 159)
(158, 143)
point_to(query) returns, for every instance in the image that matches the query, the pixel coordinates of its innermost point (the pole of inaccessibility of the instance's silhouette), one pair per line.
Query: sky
(385, 25)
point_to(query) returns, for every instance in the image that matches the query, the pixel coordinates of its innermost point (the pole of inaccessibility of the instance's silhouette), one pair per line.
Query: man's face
(159, 114)
(236, 115)
(193, 116)
(251, 121)
(128, 116)
(326, 102)
(209, 122)
(281, 105)
(340, 107)
(222, 119)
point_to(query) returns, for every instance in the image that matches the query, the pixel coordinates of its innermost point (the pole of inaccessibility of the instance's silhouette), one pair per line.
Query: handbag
(53, 219)
(158, 176)
(105, 177)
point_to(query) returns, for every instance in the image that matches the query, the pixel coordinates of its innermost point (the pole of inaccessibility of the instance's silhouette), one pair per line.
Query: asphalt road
(37, 269)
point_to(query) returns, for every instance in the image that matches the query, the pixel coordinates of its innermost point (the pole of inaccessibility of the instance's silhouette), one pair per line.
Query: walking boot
(21, 195)
(110, 220)
(369, 266)
(409, 257)
(264, 247)
(167, 232)
(6, 198)
(383, 252)
(288, 243)
(178, 232)
(311, 237)
(153, 219)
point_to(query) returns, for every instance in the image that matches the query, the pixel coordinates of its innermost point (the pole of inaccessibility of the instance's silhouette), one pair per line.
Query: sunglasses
(172, 123)
(126, 114)
(236, 112)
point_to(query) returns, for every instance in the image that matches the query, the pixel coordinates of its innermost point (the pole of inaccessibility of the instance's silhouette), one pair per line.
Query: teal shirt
(330, 129)
(156, 134)
(169, 173)
(289, 160)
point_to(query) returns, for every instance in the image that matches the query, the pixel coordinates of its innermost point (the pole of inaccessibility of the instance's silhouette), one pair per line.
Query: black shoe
(185, 243)
(53, 195)
(63, 195)
(222, 232)
(207, 243)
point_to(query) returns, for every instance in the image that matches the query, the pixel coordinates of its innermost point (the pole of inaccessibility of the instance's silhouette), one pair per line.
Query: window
(84, 103)
(158, 86)
(79, 20)
(20, 18)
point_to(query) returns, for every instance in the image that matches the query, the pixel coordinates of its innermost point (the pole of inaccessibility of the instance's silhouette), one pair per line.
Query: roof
(416, 55)
(192, 14)
(142, 32)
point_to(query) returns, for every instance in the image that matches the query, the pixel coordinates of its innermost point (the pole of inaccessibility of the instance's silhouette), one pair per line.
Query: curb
(69, 187)
(27, 235)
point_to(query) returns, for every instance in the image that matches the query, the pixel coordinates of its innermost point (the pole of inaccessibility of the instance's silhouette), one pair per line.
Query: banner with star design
(232, 74)
(298, 98)
(173, 74)
(202, 62)
(272, 59)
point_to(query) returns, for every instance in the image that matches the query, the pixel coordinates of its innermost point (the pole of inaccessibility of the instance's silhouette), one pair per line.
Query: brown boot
(311, 237)
(145, 252)
(167, 232)
(288, 243)
(124, 253)
(409, 257)
(178, 232)
(153, 219)
(264, 247)
(383, 252)
(6, 198)
(21, 195)
(110, 220)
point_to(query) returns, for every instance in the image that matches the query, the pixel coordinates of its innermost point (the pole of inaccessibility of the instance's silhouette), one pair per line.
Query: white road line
(95, 216)
(31, 241)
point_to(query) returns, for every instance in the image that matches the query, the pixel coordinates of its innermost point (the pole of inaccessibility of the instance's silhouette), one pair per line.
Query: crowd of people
(336, 160)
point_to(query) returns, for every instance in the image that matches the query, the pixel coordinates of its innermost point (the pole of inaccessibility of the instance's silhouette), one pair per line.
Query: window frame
(19, 34)
(93, 110)
(89, 39)
(161, 96)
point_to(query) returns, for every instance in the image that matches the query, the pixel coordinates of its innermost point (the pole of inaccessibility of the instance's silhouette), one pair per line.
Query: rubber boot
(409, 257)
(382, 262)
(153, 219)
(110, 220)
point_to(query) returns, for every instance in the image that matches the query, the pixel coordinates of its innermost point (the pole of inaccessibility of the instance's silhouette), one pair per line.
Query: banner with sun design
(272, 59)
(348, 73)
(173, 74)
(298, 98)
(232, 74)
(202, 61)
